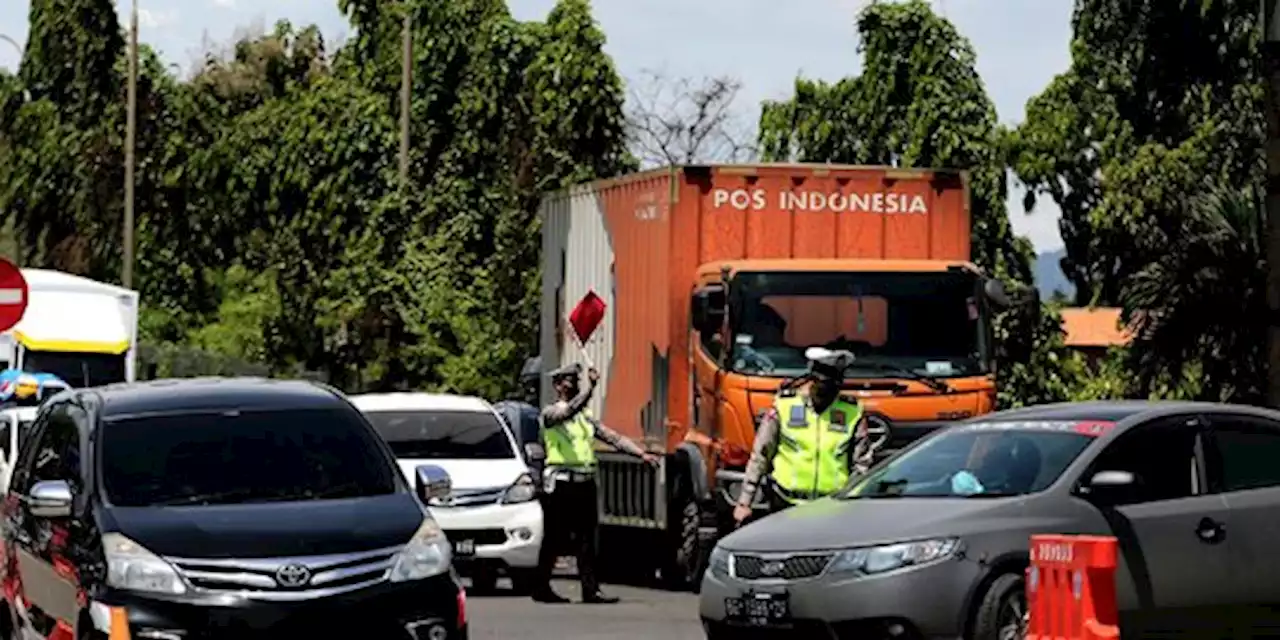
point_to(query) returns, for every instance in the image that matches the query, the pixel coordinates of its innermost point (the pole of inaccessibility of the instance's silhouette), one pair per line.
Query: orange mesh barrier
(1071, 588)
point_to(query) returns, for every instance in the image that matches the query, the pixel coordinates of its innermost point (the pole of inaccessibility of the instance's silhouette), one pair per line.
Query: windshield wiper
(929, 381)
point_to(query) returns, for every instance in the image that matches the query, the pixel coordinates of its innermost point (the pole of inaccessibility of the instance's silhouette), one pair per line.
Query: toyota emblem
(293, 576)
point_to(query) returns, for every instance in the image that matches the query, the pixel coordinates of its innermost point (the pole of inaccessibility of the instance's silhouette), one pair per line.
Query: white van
(492, 515)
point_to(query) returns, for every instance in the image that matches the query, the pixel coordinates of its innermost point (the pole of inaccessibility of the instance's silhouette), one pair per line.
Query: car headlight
(427, 554)
(521, 491)
(884, 558)
(718, 563)
(130, 566)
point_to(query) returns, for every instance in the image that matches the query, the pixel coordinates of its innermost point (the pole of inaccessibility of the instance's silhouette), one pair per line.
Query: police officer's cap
(568, 371)
(825, 363)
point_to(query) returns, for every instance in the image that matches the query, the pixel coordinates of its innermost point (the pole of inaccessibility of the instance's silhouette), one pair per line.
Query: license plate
(759, 609)
(464, 547)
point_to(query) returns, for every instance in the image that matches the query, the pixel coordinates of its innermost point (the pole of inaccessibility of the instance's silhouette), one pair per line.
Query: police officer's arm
(860, 454)
(616, 440)
(761, 457)
(561, 411)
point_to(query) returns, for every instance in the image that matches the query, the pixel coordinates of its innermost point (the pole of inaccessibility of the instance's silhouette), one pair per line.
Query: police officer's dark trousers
(570, 523)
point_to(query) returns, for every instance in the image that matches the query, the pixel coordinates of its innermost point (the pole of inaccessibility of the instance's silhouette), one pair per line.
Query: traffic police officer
(808, 441)
(569, 432)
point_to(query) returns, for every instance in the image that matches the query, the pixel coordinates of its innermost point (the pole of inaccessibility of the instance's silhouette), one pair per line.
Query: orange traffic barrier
(1071, 588)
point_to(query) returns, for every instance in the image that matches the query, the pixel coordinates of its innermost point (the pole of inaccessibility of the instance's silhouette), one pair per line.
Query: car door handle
(1211, 531)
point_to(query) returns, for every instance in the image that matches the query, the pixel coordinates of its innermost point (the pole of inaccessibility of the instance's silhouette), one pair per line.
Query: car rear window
(468, 435)
(239, 457)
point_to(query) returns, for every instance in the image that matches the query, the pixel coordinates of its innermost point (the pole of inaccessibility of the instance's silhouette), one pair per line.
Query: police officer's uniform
(569, 500)
(805, 453)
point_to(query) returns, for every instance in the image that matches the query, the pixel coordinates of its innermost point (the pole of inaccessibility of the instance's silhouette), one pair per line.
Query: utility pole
(406, 85)
(131, 131)
(1270, 18)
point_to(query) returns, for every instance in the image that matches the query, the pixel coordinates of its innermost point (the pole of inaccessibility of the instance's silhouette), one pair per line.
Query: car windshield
(927, 323)
(242, 457)
(468, 435)
(978, 460)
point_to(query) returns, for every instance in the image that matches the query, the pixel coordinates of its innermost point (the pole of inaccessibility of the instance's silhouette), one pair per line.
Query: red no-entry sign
(13, 294)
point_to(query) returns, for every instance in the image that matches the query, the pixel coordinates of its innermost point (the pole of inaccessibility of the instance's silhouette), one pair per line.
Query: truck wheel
(1002, 612)
(683, 568)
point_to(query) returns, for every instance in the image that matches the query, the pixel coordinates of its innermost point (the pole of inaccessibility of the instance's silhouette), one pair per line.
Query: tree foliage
(1159, 116)
(920, 103)
(272, 225)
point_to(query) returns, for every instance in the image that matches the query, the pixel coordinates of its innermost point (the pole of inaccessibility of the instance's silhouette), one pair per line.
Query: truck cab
(921, 330)
(80, 330)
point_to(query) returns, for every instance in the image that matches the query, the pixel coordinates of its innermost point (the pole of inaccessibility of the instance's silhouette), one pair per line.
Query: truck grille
(796, 567)
(296, 578)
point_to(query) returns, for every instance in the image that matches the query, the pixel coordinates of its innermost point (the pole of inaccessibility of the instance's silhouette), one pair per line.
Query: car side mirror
(707, 312)
(432, 482)
(1105, 485)
(50, 499)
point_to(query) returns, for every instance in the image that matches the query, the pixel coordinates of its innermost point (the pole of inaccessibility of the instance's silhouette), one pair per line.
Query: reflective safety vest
(572, 442)
(812, 454)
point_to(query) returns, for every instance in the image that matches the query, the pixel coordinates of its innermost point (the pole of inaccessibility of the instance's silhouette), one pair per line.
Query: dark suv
(212, 508)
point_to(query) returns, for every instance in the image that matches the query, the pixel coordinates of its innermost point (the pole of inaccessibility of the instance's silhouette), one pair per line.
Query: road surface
(643, 613)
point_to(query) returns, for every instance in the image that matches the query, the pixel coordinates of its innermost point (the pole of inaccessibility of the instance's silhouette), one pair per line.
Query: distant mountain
(1049, 276)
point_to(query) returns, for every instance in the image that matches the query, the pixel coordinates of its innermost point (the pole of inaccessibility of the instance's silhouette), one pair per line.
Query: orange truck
(717, 278)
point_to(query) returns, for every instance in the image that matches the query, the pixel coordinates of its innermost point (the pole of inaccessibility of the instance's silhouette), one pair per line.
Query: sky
(766, 44)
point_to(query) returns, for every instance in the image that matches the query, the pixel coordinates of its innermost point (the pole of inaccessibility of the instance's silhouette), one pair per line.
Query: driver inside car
(1010, 466)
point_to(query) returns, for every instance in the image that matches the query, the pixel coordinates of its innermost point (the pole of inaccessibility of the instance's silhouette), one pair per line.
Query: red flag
(587, 316)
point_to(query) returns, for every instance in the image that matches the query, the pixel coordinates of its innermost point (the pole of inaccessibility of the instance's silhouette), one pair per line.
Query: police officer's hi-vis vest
(571, 443)
(812, 455)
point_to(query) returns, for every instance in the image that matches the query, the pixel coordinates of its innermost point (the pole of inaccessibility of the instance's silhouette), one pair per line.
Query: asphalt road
(642, 613)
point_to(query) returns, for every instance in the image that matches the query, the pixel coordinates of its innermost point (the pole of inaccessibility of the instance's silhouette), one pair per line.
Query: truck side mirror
(708, 309)
(996, 293)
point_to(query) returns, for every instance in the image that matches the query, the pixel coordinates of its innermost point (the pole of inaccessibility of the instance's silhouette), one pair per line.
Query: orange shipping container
(638, 241)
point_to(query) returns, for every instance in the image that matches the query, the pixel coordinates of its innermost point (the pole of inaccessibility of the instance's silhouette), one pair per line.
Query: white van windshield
(467, 435)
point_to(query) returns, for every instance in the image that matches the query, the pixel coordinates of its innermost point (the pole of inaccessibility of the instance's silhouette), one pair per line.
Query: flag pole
(582, 347)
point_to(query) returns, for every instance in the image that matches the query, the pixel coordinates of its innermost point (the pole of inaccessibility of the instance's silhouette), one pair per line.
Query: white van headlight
(131, 567)
(521, 491)
(427, 554)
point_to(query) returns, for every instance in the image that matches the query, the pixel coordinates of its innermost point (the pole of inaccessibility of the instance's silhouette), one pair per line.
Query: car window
(978, 460)
(239, 457)
(58, 452)
(1162, 458)
(472, 435)
(1247, 453)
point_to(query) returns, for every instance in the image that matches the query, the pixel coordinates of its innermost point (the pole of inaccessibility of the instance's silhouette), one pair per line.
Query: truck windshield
(77, 369)
(922, 323)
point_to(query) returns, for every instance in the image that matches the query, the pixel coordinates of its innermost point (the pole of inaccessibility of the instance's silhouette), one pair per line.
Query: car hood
(270, 530)
(469, 475)
(836, 524)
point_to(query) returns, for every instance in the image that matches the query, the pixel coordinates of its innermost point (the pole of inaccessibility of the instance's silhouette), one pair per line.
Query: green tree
(919, 102)
(1161, 106)
(1160, 95)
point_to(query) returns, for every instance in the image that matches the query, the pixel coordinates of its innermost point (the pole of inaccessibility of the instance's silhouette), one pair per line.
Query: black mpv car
(220, 508)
